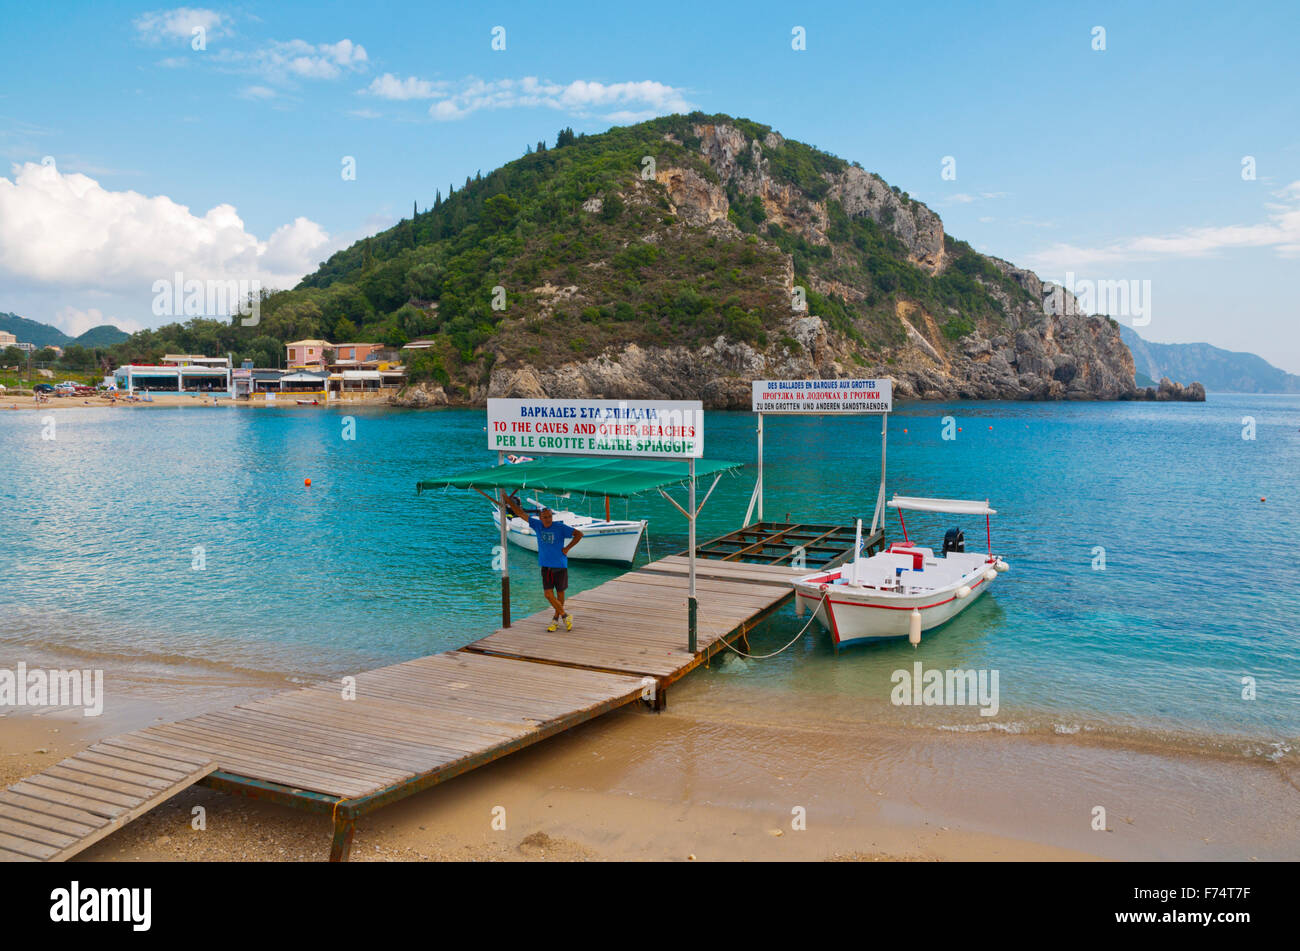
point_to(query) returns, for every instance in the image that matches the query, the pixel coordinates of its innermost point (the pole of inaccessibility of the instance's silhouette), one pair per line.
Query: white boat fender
(990, 575)
(914, 628)
(963, 591)
(1001, 565)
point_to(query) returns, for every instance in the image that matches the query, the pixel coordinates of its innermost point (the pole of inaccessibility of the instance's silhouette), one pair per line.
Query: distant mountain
(105, 335)
(33, 331)
(1224, 371)
(43, 335)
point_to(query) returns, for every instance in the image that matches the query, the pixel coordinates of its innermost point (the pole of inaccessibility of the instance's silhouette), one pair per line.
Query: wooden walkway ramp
(69, 807)
(636, 623)
(345, 748)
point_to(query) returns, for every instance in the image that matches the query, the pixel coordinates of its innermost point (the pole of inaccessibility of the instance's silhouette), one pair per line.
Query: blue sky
(1115, 164)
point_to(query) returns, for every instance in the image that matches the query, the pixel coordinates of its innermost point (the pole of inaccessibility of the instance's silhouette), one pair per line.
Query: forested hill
(685, 256)
(45, 335)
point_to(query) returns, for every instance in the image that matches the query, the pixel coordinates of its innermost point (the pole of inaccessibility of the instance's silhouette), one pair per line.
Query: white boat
(602, 539)
(906, 589)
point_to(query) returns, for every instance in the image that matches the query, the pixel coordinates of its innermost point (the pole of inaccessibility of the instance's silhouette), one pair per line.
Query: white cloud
(389, 86)
(616, 102)
(66, 232)
(1281, 232)
(963, 198)
(258, 92)
(179, 24)
(74, 322)
(298, 59)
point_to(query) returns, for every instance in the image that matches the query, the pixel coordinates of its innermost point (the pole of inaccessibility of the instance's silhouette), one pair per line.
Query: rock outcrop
(690, 255)
(420, 396)
(1044, 350)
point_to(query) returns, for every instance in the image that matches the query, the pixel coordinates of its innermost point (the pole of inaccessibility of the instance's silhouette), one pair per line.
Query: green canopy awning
(556, 475)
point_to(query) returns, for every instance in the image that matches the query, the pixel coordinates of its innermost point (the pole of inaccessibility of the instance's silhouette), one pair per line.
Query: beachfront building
(364, 370)
(250, 380)
(308, 354)
(305, 383)
(193, 360)
(351, 356)
(211, 377)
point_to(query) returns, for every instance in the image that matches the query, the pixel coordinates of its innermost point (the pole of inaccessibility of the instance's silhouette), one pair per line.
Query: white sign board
(823, 396)
(666, 429)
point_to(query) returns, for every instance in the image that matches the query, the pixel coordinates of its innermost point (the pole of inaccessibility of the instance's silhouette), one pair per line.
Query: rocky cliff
(1030, 352)
(689, 255)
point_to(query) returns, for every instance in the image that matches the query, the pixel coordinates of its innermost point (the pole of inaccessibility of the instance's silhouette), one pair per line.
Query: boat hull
(862, 615)
(601, 541)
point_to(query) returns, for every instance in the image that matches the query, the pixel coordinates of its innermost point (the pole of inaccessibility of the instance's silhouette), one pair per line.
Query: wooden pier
(346, 748)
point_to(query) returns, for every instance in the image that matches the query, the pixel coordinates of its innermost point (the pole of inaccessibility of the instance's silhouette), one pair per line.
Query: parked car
(42, 388)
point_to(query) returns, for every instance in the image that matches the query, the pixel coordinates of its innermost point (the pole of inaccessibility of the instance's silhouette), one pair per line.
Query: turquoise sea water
(1200, 589)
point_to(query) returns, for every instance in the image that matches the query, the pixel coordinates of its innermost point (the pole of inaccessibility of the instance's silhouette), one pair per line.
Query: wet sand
(712, 778)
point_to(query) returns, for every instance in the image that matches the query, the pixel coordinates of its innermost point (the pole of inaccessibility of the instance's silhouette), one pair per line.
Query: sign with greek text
(823, 396)
(666, 429)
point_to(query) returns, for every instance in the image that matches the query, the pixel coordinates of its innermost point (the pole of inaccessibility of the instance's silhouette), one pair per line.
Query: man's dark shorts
(555, 579)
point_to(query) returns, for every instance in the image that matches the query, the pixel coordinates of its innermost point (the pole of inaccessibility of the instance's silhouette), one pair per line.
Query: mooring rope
(812, 617)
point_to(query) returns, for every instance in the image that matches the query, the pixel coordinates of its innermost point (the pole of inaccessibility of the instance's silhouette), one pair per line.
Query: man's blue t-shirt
(550, 542)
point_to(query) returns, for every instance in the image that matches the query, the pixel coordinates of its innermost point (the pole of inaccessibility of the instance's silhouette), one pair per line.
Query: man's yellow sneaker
(568, 622)
(555, 624)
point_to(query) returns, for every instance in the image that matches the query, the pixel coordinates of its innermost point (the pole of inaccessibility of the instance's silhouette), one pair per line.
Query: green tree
(345, 331)
(501, 210)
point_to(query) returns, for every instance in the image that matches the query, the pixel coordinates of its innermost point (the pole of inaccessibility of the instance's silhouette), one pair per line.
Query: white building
(208, 376)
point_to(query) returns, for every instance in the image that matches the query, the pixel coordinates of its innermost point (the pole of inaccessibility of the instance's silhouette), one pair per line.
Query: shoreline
(707, 779)
(172, 402)
(10, 403)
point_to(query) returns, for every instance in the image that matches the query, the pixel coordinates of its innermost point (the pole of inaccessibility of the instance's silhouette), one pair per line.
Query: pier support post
(692, 611)
(505, 555)
(341, 845)
(693, 605)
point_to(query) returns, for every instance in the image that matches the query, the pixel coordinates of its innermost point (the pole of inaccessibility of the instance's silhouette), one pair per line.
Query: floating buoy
(1262, 499)
(958, 429)
(307, 483)
(904, 431)
(914, 628)
(963, 591)
(990, 427)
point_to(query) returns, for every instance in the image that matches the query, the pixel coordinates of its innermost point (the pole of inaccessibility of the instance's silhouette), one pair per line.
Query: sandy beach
(169, 400)
(706, 781)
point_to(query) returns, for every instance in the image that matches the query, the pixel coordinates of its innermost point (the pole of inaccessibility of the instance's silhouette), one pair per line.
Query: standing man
(552, 555)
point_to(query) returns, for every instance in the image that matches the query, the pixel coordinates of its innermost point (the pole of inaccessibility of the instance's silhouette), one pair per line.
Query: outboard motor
(954, 540)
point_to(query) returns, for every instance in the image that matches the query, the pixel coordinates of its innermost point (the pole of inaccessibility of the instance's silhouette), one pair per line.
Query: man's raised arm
(513, 505)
